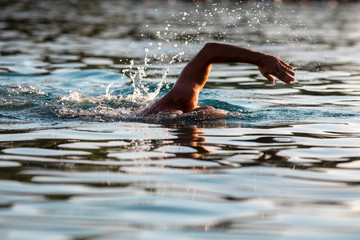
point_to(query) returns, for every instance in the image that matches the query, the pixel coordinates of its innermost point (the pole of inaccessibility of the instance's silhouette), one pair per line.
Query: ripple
(6, 164)
(42, 152)
(26, 70)
(280, 163)
(351, 165)
(97, 61)
(93, 145)
(176, 149)
(140, 155)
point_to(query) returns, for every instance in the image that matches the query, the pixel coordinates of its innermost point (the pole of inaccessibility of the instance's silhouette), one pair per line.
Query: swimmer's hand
(270, 66)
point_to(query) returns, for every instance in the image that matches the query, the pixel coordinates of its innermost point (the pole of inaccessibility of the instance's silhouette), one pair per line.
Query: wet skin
(183, 97)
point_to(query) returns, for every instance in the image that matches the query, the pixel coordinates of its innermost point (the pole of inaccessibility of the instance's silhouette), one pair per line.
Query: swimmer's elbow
(213, 52)
(211, 45)
(208, 52)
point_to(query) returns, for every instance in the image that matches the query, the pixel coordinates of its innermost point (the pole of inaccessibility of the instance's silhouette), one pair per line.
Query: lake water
(75, 162)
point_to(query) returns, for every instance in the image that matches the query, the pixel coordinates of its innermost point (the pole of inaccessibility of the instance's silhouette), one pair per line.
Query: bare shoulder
(198, 114)
(205, 113)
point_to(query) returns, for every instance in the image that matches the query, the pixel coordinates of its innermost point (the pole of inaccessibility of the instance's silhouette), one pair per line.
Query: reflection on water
(76, 163)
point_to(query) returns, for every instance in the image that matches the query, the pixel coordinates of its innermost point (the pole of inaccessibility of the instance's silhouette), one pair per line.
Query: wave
(99, 95)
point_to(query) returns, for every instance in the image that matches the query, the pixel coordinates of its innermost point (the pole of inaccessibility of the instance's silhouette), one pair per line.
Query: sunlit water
(76, 162)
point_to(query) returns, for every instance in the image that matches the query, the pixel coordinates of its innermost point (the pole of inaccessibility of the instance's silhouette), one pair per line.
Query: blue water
(77, 163)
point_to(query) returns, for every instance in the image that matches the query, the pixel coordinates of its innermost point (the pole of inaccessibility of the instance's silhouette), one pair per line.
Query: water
(76, 163)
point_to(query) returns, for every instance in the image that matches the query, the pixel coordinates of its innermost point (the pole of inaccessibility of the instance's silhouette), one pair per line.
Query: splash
(261, 25)
(18, 89)
(138, 75)
(18, 96)
(97, 108)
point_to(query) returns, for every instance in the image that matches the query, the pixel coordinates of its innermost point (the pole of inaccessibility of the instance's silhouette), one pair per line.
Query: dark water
(76, 163)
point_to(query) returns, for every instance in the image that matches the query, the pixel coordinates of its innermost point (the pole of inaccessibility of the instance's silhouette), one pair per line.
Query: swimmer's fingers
(266, 75)
(286, 78)
(270, 78)
(273, 66)
(288, 71)
(281, 75)
(286, 65)
(285, 72)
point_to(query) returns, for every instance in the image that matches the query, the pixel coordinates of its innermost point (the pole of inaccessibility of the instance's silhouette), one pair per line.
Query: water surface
(76, 163)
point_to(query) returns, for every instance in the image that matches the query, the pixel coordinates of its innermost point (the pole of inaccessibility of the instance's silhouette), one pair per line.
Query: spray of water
(259, 25)
(138, 77)
(262, 25)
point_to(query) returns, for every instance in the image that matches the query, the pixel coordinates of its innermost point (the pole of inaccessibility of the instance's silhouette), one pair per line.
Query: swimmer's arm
(268, 65)
(195, 74)
(184, 95)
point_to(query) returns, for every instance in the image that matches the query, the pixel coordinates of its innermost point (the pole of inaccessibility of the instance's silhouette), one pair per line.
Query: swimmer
(183, 97)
